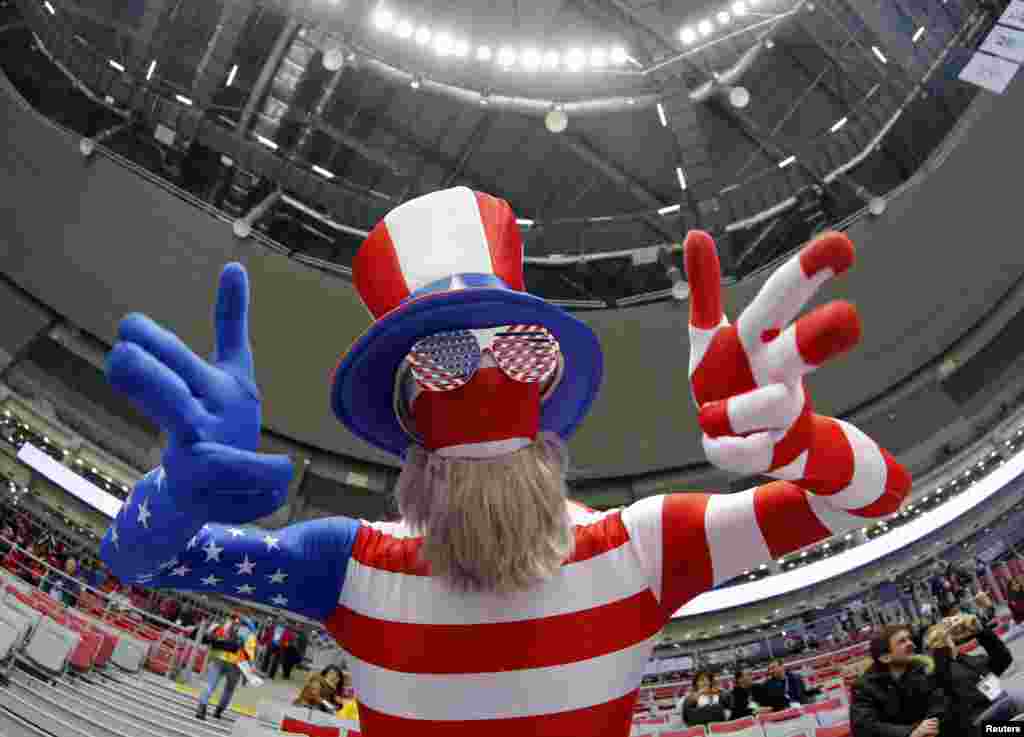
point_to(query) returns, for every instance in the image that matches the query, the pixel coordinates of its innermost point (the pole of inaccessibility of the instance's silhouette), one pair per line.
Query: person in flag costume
(496, 604)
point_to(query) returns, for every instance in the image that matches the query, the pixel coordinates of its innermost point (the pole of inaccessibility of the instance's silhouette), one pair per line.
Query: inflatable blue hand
(209, 410)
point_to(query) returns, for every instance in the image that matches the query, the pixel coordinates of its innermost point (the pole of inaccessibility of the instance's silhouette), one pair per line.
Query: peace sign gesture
(210, 410)
(747, 378)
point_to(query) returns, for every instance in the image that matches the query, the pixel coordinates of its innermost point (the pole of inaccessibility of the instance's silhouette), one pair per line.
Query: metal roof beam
(476, 137)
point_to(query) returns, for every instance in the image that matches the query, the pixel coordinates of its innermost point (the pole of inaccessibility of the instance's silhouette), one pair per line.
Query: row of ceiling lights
(531, 59)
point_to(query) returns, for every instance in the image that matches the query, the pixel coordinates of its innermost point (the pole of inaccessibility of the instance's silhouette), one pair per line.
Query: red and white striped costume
(564, 659)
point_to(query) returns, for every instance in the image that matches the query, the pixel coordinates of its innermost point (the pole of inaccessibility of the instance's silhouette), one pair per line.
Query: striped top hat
(459, 358)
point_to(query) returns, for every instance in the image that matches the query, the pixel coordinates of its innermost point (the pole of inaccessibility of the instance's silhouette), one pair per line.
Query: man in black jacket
(781, 689)
(897, 696)
(741, 695)
(971, 682)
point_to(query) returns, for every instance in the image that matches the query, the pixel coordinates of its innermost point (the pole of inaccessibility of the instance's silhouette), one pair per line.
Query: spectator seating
(827, 713)
(737, 728)
(787, 723)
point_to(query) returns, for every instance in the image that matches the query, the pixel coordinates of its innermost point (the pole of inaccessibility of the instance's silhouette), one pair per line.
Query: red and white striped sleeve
(848, 470)
(688, 543)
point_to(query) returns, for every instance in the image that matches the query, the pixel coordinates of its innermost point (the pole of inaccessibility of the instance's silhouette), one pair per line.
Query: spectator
(742, 703)
(1015, 599)
(289, 652)
(322, 690)
(278, 636)
(897, 696)
(705, 703)
(971, 682)
(231, 643)
(782, 689)
(66, 588)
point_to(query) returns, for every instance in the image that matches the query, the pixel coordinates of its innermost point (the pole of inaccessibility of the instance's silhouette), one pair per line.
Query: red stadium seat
(736, 727)
(691, 732)
(839, 730)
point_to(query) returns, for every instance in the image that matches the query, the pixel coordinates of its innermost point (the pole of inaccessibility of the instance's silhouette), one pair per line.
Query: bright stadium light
(879, 55)
(705, 28)
(444, 44)
(461, 48)
(723, 18)
(598, 58)
(619, 56)
(531, 59)
(687, 35)
(484, 53)
(739, 8)
(576, 59)
(383, 19)
(423, 36)
(404, 29)
(838, 124)
(552, 59)
(507, 57)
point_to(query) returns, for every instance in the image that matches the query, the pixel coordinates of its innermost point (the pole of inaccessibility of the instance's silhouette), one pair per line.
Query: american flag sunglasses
(446, 361)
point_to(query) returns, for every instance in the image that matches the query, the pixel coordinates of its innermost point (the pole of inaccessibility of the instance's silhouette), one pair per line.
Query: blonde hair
(498, 525)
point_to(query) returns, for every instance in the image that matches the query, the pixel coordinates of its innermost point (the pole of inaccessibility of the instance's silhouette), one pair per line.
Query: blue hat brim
(362, 392)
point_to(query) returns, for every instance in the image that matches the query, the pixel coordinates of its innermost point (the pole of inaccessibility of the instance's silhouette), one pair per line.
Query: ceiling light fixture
(786, 161)
(531, 59)
(49, 8)
(444, 44)
(705, 28)
(552, 60)
(576, 59)
(661, 115)
(423, 36)
(739, 97)
(687, 35)
(669, 209)
(152, 68)
(415, 82)
(619, 56)
(917, 34)
(598, 58)
(115, 65)
(484, 53)
(507, 57)
(879, 55)
(681, 177)
(383, 19)
(838, 124)
(461, 48)
(404, 29)
(556, 120)
(723, 18)
(739, 8)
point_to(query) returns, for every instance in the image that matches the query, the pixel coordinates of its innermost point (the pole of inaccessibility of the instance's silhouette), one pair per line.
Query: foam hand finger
(158, 391)
(223, 468)
(773, 407)
(704, 275)
(787, 290)
(824, 333)
(232, 321)
(169, 349)
(749, 454)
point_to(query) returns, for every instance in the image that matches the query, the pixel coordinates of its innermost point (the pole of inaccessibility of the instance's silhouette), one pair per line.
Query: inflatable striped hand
(747, 380)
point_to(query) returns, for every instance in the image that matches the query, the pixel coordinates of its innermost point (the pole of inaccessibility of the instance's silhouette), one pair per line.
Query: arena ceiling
(733, 116)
